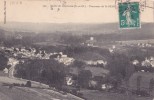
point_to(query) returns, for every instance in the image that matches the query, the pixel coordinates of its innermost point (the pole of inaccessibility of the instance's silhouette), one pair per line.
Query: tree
(79, 64)
(138, 83)
(46, 71)
(3, 61)
(84, 78)
(151, 85)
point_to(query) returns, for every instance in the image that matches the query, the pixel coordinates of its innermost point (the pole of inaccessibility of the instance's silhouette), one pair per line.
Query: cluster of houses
(147, 63)
(144, 45)
(97, 62)
(93, 76)
(33, 53)
(140, 43)
(112, 49)
(95, 80)
(24, 52)
(91, 42)
(62, 58)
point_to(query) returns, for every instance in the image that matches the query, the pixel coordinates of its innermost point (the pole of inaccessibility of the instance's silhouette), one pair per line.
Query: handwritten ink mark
(58, 9)
(4, 12)
(44, 5)
(51, 8)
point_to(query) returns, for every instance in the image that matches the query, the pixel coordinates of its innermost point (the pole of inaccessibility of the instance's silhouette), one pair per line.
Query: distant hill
(68, 27)
(64, 27)
(111, 30)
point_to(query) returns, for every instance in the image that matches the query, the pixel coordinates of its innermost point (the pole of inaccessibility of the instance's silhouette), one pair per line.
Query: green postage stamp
(129, 16)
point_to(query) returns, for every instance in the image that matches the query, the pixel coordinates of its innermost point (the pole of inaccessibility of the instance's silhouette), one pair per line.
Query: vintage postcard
(76, 49)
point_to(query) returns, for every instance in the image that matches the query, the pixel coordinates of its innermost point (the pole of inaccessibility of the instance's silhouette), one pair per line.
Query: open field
(25, 93)
(37, 92)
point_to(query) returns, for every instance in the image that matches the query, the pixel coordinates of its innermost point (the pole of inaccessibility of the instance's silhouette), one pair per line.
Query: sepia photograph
(76, 49)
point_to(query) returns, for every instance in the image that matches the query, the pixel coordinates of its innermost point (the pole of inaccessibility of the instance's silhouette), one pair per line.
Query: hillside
(25, 93)
(70, 32)
(104, 28)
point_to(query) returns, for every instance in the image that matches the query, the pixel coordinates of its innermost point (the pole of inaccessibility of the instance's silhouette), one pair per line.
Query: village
(85, 70)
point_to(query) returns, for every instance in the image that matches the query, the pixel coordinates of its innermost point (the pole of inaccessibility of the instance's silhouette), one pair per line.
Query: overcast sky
(38, 11)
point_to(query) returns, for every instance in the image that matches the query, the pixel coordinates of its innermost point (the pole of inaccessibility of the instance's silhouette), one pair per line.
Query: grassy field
(25, 93)
(36, 92)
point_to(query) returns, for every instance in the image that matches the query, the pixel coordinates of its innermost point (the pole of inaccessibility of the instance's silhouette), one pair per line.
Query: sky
(51, 11)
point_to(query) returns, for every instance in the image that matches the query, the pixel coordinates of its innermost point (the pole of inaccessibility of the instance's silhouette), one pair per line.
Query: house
(61, 58)
(90, 62)
(90, 42)
(113, 46)
(151, 58)
(135, 62)
(6, 70)
(152, 63)
(146, 63)
(69, 80)
(97, 62)
(12, 62)
(102, 62)
(111, 50)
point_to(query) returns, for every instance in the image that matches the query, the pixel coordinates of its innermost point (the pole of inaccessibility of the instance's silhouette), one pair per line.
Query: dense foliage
(46, 71)
(3, 61)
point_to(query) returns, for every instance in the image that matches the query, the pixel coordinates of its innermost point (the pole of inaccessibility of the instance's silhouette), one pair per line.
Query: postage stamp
(129, 15)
